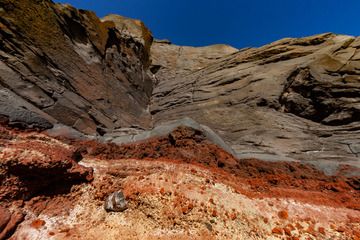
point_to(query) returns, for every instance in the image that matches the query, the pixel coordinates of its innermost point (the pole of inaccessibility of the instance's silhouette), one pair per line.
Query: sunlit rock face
(107, 133)
(70, 67)
(294, 98)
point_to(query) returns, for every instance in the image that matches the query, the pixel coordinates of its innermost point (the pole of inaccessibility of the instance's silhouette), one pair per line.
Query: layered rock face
(295, 98)
(63, 65)
(178, 186)
(106, 133)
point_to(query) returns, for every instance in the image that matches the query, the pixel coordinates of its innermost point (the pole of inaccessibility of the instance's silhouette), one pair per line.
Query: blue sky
(240, 23)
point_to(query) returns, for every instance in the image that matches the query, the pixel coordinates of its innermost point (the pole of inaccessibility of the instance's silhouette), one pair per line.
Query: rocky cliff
(67, 66)
(204, 143)
(295, 98)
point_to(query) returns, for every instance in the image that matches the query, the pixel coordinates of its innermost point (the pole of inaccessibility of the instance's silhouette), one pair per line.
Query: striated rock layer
(56, 59)
(205, 143)
(179, 186)
(295, 99)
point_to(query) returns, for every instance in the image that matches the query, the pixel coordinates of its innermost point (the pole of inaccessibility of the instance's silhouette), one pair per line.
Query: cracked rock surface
(294, 99)
(204, 142)
(297, 99)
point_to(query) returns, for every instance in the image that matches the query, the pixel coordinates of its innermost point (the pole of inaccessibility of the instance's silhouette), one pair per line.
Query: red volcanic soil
(267, 179)
(170, 177)
(32, 164)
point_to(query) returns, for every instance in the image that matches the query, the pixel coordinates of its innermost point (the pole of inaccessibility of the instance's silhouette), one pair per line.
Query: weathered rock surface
(5, 216)
(69, 64)
(33, 164)
(178, 200)
(292, 99)
(174, 184)
(10, 227)
(171, 120)
(170, 61)
(115, 202)
(169, 129)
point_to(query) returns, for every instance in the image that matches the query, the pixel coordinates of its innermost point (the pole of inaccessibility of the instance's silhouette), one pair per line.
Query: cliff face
(295, 98)
(68, 66)
(203, 143)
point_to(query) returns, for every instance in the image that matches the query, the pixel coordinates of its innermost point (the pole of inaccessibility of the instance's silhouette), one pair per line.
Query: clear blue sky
(239, 23)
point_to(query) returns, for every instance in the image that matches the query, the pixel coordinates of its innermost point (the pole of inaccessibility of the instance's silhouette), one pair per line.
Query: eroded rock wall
(292, 99)
(70, 67)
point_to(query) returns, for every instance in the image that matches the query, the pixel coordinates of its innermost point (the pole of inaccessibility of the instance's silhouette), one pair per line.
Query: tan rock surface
(295, 98)
(265, 142)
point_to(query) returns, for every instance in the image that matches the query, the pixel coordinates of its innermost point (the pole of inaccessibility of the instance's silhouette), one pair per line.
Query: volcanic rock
(10, 227)
(171, 129)
(69, 61)
(184, 141)
(115, 202)
(273, 132)
(36, 165)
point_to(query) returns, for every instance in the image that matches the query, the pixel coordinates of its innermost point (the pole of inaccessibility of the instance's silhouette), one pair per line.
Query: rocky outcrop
(5, 216)
(33, 164)
(292, 99)
(170, 61)
(168, 129)
(295, 99)
(71, 68)
(204, 143)
(185, 142)
(8, 227)
(181, 187)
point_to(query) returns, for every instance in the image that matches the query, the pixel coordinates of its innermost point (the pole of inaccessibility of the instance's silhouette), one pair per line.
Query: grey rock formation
(70, 65)
(295, 99)
(170, 61)
(115, 202)
(168, 127)
(17, 112)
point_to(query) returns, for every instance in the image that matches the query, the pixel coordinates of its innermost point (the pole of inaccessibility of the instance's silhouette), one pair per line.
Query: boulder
(115, 202)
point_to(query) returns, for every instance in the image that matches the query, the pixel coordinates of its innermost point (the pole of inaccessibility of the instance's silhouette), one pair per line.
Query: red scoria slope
(178, 186)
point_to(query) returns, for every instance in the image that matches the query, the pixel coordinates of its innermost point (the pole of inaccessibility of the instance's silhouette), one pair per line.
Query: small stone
(38, 223)
(277, 230)
(115, 202)
(208, 226)
(283, 215)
